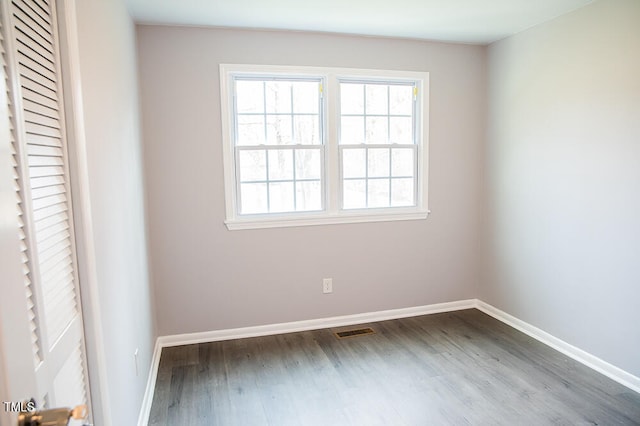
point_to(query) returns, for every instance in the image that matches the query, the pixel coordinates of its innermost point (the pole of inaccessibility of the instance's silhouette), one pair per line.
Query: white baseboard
(627, 379)
(314, 324)
(619, 375)
(145, 410)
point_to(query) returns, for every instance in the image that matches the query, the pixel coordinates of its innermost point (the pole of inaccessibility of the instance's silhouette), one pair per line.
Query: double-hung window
(278, 144)
(309, 145)
(377, 144)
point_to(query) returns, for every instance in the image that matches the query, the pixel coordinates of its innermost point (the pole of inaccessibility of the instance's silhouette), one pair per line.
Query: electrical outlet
(135, 360)
(327, 285)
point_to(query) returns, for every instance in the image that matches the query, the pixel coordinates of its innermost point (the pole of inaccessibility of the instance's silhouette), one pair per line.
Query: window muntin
(374, 112)
(378, 177)
(378, 149)
(278, 144)
(382, 176)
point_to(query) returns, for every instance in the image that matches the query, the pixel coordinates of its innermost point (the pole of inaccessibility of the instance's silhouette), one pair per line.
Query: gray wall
(110, 99)
(208, 278)
(563, 179)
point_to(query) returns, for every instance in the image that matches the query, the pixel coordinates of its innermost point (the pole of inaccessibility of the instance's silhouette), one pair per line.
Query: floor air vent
(354, 333)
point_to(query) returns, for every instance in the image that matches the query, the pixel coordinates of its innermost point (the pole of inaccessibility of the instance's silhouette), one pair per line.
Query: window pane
(402, 162)
(378, 162)
(402, 193)
(306, 97)
(308, 196)
(308, 164)
(253, 165)
(279, 130)
(278, 96)
(351, 98)
(401, 130)
(354, 194)
(250, 130)
(352, 130)
(377, 130)
(249, 96)
(400, 100)
(253, 197)
(376, 99)
(280, 164)
(354, 164)
(378, 192)
(306, 129)
(281, 197)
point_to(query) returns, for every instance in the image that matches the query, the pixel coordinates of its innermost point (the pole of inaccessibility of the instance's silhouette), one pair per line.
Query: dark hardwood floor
(458, 368)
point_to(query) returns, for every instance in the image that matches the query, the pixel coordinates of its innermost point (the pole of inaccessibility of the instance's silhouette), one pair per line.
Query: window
(308, 145)
(278, 144)
(377, 144)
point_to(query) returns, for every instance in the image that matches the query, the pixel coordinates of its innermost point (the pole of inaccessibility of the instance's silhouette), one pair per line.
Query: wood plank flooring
(457, 368)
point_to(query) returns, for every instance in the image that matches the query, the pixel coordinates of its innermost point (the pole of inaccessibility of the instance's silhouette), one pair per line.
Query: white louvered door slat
(36, 108)
(49, 211)
(42, 120)
(51, 226)
(43, 150)
(35, 66)
(34, 22)
(43, 140)
(38, 92)
(35, 8)
(42, 130)
(47, 191)
(52, 221)
(44, 211)
(39, 50)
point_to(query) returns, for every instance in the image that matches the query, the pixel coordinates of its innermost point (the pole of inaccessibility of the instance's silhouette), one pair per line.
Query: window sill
(259, 223)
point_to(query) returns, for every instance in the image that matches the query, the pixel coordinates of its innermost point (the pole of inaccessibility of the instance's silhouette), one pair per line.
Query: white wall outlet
(327, 285)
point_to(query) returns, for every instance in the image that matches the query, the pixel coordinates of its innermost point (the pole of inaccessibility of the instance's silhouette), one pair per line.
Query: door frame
(83, 225)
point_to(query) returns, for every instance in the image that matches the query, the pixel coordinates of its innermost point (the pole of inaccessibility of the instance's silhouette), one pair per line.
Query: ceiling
(465, 21)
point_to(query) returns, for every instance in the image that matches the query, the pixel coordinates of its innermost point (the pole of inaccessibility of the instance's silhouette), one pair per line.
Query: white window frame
(332, 197)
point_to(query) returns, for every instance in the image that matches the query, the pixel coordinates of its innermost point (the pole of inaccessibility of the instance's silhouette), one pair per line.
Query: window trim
(332, 213)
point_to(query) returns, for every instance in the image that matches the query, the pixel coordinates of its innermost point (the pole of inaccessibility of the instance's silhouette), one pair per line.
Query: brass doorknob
(53, 417)
(79, 412)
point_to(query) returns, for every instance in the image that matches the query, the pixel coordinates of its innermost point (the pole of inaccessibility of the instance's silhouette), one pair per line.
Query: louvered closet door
(31, 62)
